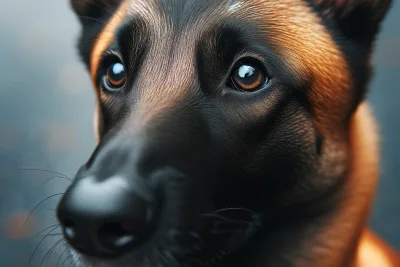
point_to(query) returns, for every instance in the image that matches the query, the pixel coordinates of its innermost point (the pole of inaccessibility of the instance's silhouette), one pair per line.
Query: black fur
(259, 154)
(359, 20)
(354, 26)
(93, 16)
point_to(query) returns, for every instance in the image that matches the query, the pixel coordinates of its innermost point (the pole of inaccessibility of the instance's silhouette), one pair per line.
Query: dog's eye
(115, 77)
(249, 76)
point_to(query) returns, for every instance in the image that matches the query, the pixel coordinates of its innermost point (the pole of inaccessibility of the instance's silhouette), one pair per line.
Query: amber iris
(116, 76)
(248, 77)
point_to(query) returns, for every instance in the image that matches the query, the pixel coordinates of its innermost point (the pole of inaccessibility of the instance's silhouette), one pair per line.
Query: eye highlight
(115, 77)
(249, 76)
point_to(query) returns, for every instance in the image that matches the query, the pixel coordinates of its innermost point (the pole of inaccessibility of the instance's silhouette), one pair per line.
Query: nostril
(100, 220)
(116, 236)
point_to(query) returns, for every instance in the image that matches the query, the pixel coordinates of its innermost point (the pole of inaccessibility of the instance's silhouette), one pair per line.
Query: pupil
(117, 71)
(246, 71)
(247, 74)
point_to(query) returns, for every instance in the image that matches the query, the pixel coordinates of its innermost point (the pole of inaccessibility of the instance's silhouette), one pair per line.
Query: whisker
(56, 177)
(103, 8)
(104, 22)
(94, 40)
(98, 38)
(69, 257)
(59, 194)
(51, 226)
(60, 241)
(233, 209)
(239, 222)
(59, 258)
(41, 241)
(227, 219)
(44, 170)
(47, 255)
(216, 216)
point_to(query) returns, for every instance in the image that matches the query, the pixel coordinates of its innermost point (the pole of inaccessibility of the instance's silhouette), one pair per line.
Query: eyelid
(110, 52)
(253, 57)
(240, 57)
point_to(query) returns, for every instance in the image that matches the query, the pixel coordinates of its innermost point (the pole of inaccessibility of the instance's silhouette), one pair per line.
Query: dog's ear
(357, 19)
(91, 11)
(93, 16)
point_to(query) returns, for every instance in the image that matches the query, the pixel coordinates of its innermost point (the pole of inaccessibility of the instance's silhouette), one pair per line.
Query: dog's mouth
(176, 210)
(223, 232)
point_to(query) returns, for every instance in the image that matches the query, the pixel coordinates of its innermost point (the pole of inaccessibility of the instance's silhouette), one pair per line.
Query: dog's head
(214, 119)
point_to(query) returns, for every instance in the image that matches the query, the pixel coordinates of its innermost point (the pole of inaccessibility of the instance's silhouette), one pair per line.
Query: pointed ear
(88, 11)
(93, 16)
(358, 19)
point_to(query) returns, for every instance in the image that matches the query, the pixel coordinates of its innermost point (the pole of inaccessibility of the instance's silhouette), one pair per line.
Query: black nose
(104, 218)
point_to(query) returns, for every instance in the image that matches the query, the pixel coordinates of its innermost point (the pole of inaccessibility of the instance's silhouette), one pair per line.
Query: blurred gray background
(46, 107)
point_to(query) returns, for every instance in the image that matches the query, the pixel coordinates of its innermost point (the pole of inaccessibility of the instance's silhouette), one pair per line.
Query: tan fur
(96, 121)
(105, 38)
(307, 47)
(296, 32)
(345, 240)
(309, 50)
(373, 252)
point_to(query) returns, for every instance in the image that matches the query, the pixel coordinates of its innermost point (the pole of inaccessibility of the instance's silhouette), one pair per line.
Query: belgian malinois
(230, 133)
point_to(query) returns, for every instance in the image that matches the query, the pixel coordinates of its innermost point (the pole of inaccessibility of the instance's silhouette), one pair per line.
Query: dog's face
(214, 120)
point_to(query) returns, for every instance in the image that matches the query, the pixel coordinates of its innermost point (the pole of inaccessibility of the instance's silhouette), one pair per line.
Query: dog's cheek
(286, 153)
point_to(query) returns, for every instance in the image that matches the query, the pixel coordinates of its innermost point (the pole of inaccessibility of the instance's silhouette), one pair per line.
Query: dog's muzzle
(115, 201)
(106, 211)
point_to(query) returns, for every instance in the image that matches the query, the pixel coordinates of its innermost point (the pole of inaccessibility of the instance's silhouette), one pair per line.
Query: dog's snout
(104, 218)
(119, 198)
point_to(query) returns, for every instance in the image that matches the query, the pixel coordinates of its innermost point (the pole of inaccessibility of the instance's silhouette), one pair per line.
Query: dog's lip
(168, 241)
(183, 247)
(82, 259)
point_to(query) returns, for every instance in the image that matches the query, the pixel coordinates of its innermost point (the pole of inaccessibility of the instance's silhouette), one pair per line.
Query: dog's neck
(329, 240)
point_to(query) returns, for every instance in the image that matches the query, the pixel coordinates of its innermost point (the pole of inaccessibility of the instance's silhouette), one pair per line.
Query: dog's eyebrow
(131, 37)
(130, 30)
(124, 29)
(238, 37)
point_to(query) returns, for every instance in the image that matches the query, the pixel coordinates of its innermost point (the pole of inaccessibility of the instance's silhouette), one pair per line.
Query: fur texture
(280, 176)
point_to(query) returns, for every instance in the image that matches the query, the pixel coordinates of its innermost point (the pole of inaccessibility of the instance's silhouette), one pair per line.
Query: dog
(230, 133)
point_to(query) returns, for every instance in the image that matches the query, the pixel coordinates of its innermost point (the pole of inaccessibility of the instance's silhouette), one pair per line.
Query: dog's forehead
(183, 13)
(182, 10)
(291, 27)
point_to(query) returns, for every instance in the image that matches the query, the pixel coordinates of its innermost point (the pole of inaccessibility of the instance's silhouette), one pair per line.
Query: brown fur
(320, 55)
(105, 38)
(372, 252)
(342, 238)
(311, 53)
